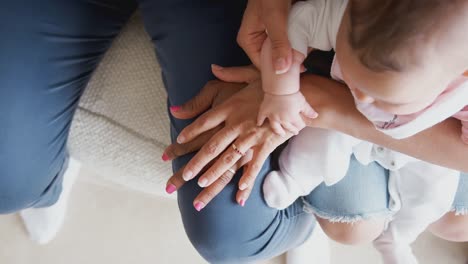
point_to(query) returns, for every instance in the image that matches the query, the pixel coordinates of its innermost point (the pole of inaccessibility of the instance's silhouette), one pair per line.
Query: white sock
(395, 253)
(281, 190)
(316, 249)
(43, 224)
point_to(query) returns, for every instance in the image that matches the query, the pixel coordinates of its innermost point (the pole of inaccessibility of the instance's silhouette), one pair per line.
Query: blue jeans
(48, 52)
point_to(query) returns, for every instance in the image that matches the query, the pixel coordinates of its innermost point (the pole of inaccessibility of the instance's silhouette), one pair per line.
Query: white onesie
(420, 192)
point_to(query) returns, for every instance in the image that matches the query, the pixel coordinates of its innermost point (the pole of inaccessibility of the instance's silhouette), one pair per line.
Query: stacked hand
(231, 119)
(231, 123)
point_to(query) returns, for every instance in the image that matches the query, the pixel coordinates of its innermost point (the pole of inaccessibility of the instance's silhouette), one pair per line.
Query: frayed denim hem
(308, 208)
(459, 210)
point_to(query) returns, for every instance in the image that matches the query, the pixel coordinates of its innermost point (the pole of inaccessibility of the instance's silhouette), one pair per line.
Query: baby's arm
(283, 103)
(311, 24)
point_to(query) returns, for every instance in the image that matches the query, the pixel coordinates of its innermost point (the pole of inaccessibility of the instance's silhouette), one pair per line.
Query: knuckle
(211, 148)
(210, 84)
(231, 129)
(273, 11)
(178, 150)
(197, 104)
(268, 144)
(191, 105)
(228, 159)
(202, 121)
(249, 125)
(240, 39)
(208, 194)
(254, 167)
(278, 44)
(252, 133)
(224, 179)
(194, 164)
(249, 179)
(212, 174)
(171, 151)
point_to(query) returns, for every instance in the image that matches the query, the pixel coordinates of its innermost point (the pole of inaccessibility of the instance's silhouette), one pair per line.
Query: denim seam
(269, 251)
(345, 219)
(459, 210)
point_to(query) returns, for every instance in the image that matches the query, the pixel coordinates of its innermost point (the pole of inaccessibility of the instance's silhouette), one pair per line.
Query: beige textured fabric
(121, 126)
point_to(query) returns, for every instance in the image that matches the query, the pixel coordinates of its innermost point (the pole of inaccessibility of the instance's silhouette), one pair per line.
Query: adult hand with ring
(239, 134)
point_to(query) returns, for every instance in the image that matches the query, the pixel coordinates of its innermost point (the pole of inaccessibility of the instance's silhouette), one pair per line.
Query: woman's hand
(234, 121)
(214, 93)
(238, 115)
(261, 16)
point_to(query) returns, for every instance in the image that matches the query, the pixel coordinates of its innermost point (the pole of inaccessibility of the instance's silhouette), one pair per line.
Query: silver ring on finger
(236, 149)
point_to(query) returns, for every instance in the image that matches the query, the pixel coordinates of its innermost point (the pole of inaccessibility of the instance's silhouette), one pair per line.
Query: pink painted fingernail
(175, 108)
(165, 157)
(170, 188)
(199, 206)
(242, 202)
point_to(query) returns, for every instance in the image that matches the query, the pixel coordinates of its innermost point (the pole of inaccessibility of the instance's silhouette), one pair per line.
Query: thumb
(241, 74)
(197, 105)
(275, 18)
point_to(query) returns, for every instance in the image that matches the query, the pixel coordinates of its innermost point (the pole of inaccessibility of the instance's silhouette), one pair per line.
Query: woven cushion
(121, 126)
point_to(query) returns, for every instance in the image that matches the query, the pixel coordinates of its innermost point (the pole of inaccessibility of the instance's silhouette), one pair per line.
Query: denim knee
(215, 250)
(220, 232)
(28, 183)
(361, 194)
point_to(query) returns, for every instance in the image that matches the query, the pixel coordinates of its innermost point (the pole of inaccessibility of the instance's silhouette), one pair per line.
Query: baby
(405, 64)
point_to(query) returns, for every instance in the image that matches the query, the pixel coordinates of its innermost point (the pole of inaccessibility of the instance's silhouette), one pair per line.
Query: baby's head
(401, 54)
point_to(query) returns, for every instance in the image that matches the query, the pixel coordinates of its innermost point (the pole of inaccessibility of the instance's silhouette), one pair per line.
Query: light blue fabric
(460, 203)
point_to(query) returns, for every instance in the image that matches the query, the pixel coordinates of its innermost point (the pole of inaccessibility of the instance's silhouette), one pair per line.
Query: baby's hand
(284, 112)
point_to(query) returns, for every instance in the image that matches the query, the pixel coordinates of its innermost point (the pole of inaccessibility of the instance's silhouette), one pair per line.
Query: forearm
(440, 144)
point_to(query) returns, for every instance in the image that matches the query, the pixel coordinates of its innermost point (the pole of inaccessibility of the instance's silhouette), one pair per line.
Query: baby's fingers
(277, 128)
(261, 119)
(291, 128)
(309, 112)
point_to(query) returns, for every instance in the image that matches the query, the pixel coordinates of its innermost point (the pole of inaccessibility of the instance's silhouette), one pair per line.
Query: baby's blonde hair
(389, 35)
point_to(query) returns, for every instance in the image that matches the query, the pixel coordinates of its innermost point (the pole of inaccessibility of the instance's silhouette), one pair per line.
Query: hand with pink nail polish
(219, 127)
